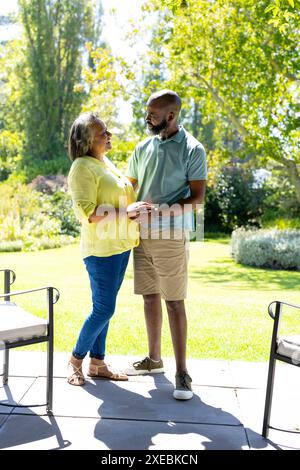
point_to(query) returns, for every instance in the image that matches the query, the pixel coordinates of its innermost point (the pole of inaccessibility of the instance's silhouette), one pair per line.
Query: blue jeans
(106, 276)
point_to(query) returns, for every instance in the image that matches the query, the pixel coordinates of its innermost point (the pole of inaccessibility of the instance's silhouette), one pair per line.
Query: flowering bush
(276, 249)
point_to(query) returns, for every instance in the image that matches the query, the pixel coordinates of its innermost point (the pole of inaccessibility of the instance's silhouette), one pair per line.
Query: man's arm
(197, 189)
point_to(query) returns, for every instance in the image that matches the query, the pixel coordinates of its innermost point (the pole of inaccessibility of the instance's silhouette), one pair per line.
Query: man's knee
(151, 298)
(175, 306)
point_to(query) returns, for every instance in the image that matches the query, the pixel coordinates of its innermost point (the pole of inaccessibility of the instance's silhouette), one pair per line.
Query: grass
(226, 306)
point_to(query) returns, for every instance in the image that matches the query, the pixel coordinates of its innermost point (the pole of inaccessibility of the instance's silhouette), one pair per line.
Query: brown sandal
(104, 372)
(76, 377)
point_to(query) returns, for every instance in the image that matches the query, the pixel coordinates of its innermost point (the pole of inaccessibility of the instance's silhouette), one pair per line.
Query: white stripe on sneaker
(183, 394)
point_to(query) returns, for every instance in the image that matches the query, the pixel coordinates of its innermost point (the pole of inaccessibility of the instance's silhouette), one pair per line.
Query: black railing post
(271, 372)
(6, 350)
(50, 349)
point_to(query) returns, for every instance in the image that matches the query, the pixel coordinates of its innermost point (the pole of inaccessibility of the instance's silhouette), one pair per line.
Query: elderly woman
(104, 202)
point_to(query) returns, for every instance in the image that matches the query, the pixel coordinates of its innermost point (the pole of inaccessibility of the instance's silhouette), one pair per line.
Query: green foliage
(30, 221)
(281, 223)
(33, 168)
(62, 209)
(11, 246)
(241, 70)
(37, 96)
(42, 86)
(213, 221)
(235, 200)
(280, 12)
(235, 197)
(11, 71)
(281, 200)
(102, 79)
(9, 153)
(240, 201)
(123, 145)
(54, 190)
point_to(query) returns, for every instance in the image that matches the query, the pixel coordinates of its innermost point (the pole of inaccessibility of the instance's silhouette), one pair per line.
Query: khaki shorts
(160, 267)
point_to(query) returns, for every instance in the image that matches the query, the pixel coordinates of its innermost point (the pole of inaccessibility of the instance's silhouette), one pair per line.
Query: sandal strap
(99, 366)
(113, 373)
(77, 371)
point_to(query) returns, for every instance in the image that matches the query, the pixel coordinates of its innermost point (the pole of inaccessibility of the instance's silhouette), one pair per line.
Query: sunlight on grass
(226, 306)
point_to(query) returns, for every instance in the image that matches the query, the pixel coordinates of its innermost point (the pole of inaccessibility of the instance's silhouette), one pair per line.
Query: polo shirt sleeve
(83, 189)
(197, 164)
(132, 170)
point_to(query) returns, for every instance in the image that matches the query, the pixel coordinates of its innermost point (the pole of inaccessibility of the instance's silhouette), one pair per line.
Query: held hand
(136, 209)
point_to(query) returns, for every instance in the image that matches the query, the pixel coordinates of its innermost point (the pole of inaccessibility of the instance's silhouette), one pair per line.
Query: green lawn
(227, 303)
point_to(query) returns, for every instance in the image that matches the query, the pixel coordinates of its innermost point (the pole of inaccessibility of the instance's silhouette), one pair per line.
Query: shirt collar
(177, 137)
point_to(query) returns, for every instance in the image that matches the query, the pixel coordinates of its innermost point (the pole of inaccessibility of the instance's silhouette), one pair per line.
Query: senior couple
(150, 209)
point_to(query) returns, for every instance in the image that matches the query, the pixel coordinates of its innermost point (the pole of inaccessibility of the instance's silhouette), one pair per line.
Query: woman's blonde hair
(80, 138)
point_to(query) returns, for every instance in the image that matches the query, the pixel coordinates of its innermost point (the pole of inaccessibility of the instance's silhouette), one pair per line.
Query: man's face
(156, 118)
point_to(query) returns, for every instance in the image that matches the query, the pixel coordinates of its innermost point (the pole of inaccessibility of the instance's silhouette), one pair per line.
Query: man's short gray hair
(166, 98)
(81, 135)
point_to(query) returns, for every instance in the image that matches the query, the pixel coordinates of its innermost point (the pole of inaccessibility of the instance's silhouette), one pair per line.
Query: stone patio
(226, 412)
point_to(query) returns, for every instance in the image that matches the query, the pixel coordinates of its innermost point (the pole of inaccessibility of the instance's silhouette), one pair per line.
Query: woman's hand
(138, 208)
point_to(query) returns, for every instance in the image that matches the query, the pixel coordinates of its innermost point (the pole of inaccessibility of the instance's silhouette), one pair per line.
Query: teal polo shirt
(163, 169)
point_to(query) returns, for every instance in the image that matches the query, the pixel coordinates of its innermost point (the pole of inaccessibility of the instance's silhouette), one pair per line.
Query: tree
(103, 85)
(11, 132)
(242, 69)
(55, 33)
(281, 11)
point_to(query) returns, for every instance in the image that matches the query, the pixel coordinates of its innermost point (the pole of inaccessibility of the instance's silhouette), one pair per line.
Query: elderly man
(168, 169)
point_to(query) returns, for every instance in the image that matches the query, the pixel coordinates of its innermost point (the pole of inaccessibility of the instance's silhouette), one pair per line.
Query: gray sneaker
(146, 366)
(183, 389)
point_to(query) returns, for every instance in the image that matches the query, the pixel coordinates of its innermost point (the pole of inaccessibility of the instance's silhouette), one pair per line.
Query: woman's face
(101, 141)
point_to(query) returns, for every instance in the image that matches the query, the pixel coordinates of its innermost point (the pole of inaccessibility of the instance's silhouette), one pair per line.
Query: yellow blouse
(92, 184)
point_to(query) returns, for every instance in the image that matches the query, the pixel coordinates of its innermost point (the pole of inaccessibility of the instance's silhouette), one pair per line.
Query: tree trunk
(293, 172)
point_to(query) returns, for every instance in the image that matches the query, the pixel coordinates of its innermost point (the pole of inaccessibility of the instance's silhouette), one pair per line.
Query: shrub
(61, 208)
(9, 153)
(49, 184)
(281, 201)
(33, 168)
(240, 199)
(26, 220)
(213, 221)
(276, 249)
(282, 223)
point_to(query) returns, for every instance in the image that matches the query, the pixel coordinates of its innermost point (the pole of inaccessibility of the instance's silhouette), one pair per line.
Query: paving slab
(141, 401)
(34, 432)
(30, 432)
(285, 415)
(12, 393)
(255, 374)
(226, 412)
(206, 372)
(277, 440)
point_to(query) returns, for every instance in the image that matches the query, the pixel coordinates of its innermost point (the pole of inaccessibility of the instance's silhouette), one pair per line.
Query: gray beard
(155, 130)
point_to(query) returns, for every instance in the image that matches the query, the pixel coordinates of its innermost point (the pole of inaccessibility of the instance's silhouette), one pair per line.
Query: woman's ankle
(96, 362)
(75, 361)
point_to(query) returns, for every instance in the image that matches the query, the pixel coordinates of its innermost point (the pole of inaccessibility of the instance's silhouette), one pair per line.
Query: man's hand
(136, 209)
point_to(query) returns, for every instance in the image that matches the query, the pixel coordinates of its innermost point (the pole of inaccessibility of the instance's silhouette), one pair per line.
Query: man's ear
(171, 116)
